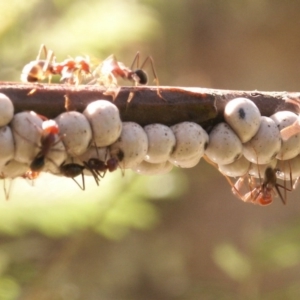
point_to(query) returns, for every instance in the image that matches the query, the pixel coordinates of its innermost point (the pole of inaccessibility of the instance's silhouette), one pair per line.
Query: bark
(176, 104)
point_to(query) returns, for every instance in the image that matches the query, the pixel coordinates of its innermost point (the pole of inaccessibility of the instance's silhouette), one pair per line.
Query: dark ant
(72, 170)
(98, 168)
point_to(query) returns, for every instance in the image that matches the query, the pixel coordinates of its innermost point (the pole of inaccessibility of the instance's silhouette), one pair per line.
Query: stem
(199, 105)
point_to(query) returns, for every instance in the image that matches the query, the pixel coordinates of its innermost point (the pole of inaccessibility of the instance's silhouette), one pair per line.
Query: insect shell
(243, 116)
(6, 110)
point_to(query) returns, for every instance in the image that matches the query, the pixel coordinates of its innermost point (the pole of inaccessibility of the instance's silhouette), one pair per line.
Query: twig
(200, 105)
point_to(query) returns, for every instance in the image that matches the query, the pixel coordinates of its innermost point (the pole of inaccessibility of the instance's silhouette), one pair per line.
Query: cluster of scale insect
(92, 143)
(80, 70)
(261, 153)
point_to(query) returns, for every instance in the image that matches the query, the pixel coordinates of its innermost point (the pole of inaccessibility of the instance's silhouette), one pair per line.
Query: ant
(260, 193)
(71, 69)
(49, 133)
(48, 140)
(40, 69)
(111, 68)
(72, 170)
(98, 168)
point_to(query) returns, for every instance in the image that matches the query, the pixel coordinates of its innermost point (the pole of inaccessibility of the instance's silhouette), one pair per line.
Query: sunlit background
(180, 236)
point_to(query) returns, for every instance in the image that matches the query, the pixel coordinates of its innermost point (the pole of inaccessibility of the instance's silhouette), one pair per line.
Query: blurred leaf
(232, 262)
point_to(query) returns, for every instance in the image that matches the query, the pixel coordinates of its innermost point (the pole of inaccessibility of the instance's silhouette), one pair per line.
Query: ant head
(270, 175)
(50, 126)
(112, 164)
(142, 76)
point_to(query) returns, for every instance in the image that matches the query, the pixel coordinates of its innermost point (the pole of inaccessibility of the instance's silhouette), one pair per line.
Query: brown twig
(200, 105)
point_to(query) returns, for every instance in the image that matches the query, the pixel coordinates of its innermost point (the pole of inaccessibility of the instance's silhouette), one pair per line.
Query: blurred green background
(180, 236)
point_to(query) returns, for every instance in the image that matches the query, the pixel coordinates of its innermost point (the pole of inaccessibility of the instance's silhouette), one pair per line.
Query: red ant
(262, 193)
(71, 69)
(40, 69)
(48, 140)
(72, 170)
(111, 68)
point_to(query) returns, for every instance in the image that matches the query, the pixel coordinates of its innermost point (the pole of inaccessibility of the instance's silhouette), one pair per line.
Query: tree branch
(199, 105)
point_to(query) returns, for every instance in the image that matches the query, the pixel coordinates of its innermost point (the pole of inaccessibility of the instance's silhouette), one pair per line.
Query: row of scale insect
(92, 143)
(255, 149)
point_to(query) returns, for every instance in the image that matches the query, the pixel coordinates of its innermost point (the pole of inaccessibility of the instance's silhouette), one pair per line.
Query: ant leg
(83, 183)
(6, 192)
(279, 193)
(49, 59)
(42, 48)
(94, 173)
(137, 60)
(149, 58)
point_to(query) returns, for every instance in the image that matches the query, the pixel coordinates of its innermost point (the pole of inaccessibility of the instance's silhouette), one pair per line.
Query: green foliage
(56, 207)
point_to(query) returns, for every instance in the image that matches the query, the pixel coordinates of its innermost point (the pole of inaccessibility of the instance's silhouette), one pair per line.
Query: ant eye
(142, 76)
(243, 116)
(290, 147)
(191, 140)
(224, 145)
(161, 143)
(267, 141)
(76, 132)
(105, 121)
(6, 110)
(133, 142)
